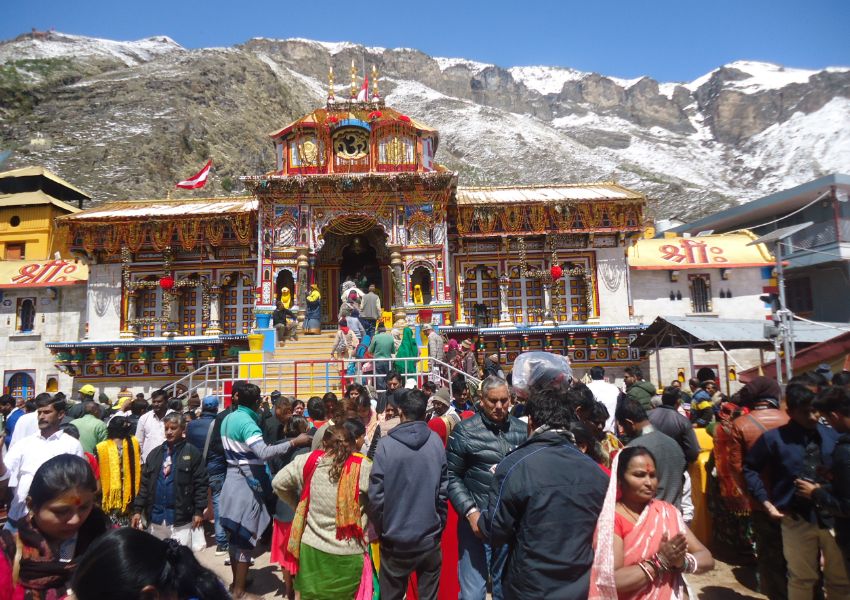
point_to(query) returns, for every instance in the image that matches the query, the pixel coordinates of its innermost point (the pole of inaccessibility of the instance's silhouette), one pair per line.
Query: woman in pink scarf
(642, 545)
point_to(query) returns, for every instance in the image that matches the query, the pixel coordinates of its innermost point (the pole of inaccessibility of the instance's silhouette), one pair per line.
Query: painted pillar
(173, 325)
(214, 326)
(504, 313)
(398, 284)
(303, 283)
(128, 332)
(548, 317)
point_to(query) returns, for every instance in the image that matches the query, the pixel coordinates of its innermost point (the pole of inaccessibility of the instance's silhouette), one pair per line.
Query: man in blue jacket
(544, 502)
(409, 470)
(801, 449)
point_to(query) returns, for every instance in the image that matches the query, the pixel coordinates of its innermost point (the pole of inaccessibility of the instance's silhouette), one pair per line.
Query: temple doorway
(359, 257)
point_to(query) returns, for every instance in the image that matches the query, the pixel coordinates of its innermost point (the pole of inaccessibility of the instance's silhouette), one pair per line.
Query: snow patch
(61, 45)
(448, 63)
(545, 80)
(332, 47)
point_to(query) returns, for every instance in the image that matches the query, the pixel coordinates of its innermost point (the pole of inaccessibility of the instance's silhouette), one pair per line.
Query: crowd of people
(544, 488)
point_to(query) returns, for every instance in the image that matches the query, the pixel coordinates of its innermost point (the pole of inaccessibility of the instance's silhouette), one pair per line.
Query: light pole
(786, 317)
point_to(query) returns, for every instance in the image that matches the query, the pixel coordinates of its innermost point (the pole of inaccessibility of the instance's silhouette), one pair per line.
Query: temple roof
(37, 171)
(529, 194)
(34, 197)
(177, 209)
(354, 111)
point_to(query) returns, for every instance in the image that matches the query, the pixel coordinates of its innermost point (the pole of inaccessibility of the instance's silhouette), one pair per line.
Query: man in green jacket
(637, 388)
(92, 429)
(382, 348)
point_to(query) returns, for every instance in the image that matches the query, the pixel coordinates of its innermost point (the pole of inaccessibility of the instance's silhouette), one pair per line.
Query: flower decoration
(404, 118)
(333, 119)
(375, 114)
(166, 282)
(556, 271)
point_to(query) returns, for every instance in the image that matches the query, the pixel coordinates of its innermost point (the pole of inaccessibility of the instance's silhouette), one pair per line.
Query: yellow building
(42, 288)
(30, 199)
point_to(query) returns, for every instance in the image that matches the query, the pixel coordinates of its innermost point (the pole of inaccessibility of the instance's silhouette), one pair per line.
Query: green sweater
(382, 345)
(642, 391)
(92, 432)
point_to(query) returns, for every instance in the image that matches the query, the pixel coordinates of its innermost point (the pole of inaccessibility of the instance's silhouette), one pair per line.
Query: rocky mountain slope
(128, 119)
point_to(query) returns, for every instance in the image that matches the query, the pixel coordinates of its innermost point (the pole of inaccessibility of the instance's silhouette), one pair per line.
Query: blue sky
(670, 40)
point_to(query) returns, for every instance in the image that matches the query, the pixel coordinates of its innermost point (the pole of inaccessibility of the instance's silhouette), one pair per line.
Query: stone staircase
(312, 381)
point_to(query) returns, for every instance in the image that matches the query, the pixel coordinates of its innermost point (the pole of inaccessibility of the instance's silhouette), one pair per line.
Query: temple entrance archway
(360, 257)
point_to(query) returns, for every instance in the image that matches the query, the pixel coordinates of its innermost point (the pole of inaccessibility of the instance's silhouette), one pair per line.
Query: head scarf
(407, 349)
(314, 294)
(285, 297)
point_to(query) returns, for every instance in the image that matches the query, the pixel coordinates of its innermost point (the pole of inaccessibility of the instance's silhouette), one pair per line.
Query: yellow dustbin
(255, 341)
(701, 525)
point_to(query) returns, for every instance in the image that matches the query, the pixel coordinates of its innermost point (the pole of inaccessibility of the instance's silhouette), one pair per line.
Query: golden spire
(353, 79)
(375, 94)
(331, 84)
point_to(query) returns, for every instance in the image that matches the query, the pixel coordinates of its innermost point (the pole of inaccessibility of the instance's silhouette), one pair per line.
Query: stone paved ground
(726, 582)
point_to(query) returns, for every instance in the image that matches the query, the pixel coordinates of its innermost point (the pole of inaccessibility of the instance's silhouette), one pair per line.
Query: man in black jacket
(475, 447)
(544, 502)
(407, 502)
(173, 491)
(834, 498)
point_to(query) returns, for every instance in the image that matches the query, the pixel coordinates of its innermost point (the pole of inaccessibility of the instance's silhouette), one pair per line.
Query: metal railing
(305, 378)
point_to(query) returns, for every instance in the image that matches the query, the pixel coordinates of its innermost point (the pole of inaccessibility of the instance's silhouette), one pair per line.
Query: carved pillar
(172, 312)
(548, 317)
(214, 326)
(504, 313)
(461, 316)
(129, 330)
(396, 264)
(303, 259)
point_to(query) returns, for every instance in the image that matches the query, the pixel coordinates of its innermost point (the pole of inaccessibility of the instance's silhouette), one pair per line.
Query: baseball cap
(209, 402)
(87, 389)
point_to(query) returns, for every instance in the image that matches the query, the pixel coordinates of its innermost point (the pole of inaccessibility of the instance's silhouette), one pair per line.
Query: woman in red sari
(642, 544)
(449, 584)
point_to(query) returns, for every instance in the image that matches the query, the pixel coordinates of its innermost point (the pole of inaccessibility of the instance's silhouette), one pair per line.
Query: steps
(312, 381)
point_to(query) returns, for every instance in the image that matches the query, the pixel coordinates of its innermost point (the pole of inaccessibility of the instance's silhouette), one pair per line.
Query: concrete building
(710, 278)
(42, 289)
(818, 257)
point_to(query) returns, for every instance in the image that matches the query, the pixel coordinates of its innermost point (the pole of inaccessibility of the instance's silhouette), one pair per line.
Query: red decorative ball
(332, 119)
(166, 282)
(556, 271)
(404, 118)
(375, 114)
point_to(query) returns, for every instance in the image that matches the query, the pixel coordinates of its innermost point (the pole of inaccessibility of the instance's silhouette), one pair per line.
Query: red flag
(198, 180)
(363, 96)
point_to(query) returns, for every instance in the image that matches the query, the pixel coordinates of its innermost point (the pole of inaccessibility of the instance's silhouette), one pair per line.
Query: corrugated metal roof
(34, 198)
(732, 333)
(545, 193)
(41, 171)
(116, 211)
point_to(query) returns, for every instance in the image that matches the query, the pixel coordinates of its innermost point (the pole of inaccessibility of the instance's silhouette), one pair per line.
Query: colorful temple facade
(355, 195)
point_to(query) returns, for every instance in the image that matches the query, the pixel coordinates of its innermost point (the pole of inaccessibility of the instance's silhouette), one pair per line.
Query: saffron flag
(363, 95)
(198, 180)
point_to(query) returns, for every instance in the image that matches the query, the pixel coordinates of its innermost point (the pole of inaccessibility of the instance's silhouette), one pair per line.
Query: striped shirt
(239, 430)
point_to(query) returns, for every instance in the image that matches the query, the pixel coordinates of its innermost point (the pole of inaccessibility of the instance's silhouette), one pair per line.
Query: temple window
(191, 312)
(26, 315)
(147, 307)
(306, 151)
(397, 150)
(576, 305)
(481, 294)
(700, 287)
(420, 284)
(525, 300)
(419, 235)
(237, 305)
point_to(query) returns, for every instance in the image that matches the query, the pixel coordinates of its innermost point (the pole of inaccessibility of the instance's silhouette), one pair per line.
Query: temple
(355, 195)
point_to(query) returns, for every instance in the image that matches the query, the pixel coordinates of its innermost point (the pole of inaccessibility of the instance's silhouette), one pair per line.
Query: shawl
(733, 497)
(285, 297)
(347, 505)
(657, 518)
(36, 574)
(119, 479)
(407, 349)
(314, 295)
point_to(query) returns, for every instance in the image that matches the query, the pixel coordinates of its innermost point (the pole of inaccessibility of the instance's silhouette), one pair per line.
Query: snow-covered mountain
(127, 119)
